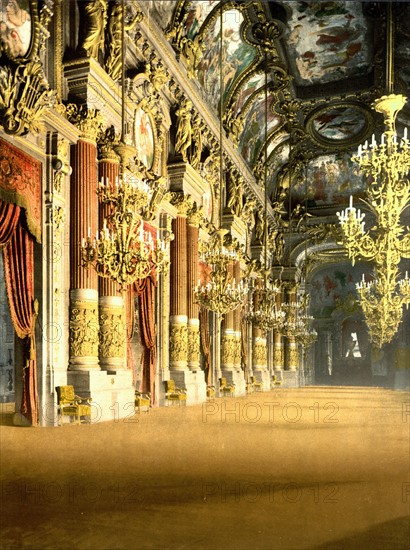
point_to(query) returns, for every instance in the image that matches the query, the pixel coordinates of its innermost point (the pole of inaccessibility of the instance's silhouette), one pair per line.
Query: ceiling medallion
(339, 124)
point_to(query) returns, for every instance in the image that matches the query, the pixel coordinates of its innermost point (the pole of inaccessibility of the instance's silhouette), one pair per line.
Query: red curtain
(205, 343)
(18, 253)
(146, 291)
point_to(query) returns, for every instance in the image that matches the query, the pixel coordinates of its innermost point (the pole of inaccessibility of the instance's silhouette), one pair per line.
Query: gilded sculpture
(183, 138)
(95, 20)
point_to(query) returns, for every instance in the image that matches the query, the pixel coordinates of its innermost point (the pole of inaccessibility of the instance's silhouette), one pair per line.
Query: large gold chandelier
(221, 294)
(122, 250)
(384, 245)
(263, 310)
(297, 323)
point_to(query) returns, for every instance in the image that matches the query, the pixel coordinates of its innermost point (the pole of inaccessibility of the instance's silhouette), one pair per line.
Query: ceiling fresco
(333, 288)
(327, 41)
(252, 138)
(196, 16)
(334, 58)
(236, 56)
(161, 11)
(330, 181)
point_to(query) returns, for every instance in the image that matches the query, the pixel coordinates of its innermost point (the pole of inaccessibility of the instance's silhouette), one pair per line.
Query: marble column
(184, 362)
(178, 338)
(193, 221)
(84, 325)
(290, 374)
(112, 350)
(277, 349)
(260, 352)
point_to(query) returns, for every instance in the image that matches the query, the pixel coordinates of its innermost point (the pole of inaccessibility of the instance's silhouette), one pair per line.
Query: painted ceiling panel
(330, 181)
(162, 11)
(327, 41)
(246, 90)
(197, 13)
(252, 137)
(236, 58)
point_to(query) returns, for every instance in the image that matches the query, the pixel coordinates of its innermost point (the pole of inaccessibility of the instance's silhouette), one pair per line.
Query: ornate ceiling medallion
(339, 124)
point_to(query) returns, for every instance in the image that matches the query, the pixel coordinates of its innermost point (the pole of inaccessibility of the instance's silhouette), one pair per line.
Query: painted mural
(161, 11)
(324, 36)
(279, 157)
(331, 180)
(236, 56)
(198, 12)
(15, 28)
(252, 138)
(335, 287)
(339, 123)
(144, 137)
(246, 90)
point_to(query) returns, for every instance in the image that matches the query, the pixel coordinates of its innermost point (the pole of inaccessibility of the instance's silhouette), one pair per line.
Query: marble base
(402, 379)
(290, 379)
(112, 394)
(237, 377)
(264, 377)
(278, 378)
(193, 382)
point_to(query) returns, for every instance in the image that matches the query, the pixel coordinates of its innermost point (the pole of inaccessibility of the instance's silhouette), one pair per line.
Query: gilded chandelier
(297, 323)
(386, 243)
(222, 294)
(263, 309)
(122, 250)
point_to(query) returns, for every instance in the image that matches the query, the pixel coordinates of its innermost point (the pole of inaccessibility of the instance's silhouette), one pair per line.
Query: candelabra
(122, 250)
(297, 323)
(383, 245)
(264, 311)
(222, 294)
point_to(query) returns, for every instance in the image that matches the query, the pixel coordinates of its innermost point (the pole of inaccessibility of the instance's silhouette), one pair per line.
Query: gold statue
(184, 131)
(113, 62)
(95, 15)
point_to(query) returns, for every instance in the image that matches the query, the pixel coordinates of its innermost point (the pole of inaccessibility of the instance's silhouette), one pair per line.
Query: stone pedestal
(112, 394)
(234, 376)
(402, 374)
(262, 375)
(194, 384)
(290, 379)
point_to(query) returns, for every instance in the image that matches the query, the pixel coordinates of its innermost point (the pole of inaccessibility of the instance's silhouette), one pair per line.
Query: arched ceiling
(298, 80)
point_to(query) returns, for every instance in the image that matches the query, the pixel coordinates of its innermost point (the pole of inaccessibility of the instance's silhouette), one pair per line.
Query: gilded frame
(333, 144)
(14, 36)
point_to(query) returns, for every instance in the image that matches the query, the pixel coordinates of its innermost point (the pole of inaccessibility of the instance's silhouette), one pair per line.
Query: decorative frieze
(178, 346)
(84, 339)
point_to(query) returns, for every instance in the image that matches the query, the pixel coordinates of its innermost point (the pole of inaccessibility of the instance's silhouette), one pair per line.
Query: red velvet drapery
(18, 253)
(145, 289)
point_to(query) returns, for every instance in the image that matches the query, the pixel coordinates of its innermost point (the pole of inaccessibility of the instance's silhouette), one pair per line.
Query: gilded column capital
(88, 121)
(195, 215)
(107, 140)
(182, 202)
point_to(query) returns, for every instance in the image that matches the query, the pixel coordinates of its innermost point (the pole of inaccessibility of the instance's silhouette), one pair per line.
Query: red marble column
(179, 295)
(84, 210)
(192, 306)
(111, 305)
(84, 325)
